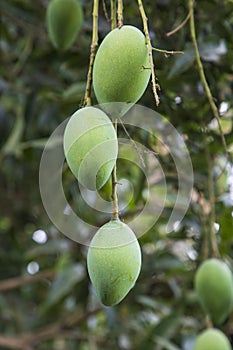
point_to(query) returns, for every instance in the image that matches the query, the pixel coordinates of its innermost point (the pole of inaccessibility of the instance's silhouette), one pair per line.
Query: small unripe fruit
(64, 20)
(113, 261)
(214, 286)
(105, 192)
(90, 146)
(212, 339)
(121, 69)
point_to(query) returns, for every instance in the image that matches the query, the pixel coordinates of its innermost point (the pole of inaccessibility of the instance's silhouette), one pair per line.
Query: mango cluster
(64, 20)
(120, 74)
(214, 287)
(114, 255)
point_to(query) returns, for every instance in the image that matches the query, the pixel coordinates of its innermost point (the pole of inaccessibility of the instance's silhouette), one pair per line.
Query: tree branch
(16, 282)
(212, 233)
(27, 341)
(150, 51)
(203, 78)
(105, 11)
(166, 52)
(182, 24)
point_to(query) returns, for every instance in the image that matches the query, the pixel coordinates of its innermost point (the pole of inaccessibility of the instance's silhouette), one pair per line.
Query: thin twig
(182, 24)
(114, 188)
(203, 78)
(105, 11)
(114, 172)
(16, 282)
(200, 211)
(166, 52)
(94, 46)
(155, 86)
(120, 13)
(134, 144)
(113, 14)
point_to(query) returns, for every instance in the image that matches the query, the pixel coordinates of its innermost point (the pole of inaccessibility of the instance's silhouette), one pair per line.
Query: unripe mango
(212, 339)
(90, 146)
(64, 20)
(121, 68)
(214, 286)
(106, 191)
(113, 261)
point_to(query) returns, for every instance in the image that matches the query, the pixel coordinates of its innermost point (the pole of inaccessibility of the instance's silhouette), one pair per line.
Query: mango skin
(90, 146)
(118, 73)
(214, 286)
(212, 339)
(113, 262)
(64, 20)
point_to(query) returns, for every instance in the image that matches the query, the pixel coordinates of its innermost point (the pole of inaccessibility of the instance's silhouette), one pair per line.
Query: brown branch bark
(155, 86)
(27, 341)
(12, 343)
(16, 282)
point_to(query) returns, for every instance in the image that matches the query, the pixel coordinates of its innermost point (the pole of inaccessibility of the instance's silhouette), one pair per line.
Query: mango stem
(94, 46)
(211, 194)
(114, 187)
(120, 13)
(155, 85)
(113, 14)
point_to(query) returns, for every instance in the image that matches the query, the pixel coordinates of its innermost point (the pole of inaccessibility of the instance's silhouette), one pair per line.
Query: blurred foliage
(39, 88)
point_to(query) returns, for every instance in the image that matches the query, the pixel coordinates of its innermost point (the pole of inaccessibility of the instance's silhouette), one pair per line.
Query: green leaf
(64, 282)
(149, 302)
(183, 62)
(165, 344)
(226, 230)
(40, 143)
(74, 91)
(49, 248)
(12, 143)
(167, 324)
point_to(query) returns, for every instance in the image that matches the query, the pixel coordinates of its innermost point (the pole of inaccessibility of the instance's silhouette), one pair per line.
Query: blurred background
(46, 299)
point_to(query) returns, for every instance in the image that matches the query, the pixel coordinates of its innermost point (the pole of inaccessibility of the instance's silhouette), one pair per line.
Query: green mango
(113, 261)
(64, 20)
(212, 339)
(90, 146)
(214, 286)
(105, 192)
(121, 69)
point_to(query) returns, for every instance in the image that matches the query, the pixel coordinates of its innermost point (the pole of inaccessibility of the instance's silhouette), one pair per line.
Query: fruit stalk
(212, 233)
(120, 13)
(205, 237)
(150, 50)
(94, 46)
(114, 188)
(113, 14)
